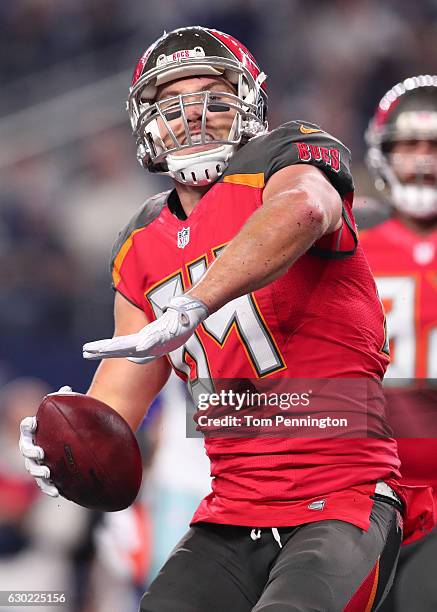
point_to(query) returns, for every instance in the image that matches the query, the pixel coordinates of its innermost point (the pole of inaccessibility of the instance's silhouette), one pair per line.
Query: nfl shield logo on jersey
(183, 237)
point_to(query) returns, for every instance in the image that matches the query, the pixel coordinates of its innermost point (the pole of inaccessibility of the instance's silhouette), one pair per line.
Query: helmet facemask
(165, 147)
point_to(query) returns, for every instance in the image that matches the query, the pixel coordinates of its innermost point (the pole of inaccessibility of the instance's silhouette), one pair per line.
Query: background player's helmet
(408, 112)
(195, 51)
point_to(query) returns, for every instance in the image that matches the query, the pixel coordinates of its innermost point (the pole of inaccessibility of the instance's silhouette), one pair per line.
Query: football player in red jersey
(402, 253)
(249, 268)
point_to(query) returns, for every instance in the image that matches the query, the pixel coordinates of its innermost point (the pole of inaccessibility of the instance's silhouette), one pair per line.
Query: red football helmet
(406, 114)
(195, 51)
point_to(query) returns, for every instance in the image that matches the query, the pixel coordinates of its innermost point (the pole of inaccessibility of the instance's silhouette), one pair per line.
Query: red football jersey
(405, 267)
(321, 319)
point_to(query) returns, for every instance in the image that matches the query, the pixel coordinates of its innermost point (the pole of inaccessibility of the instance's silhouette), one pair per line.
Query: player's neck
(190, 196)
(418, 226)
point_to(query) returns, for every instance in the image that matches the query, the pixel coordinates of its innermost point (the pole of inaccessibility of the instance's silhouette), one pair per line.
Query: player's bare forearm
(128, 388)
(269, 243)
(293, 216)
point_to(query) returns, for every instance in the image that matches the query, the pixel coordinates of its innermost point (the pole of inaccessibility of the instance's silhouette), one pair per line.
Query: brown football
(92, 453)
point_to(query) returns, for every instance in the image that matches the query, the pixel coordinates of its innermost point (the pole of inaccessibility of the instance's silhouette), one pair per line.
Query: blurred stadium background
(69, 182)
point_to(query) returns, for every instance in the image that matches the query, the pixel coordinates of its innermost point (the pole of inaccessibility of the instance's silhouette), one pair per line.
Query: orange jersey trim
(250, 180)
(118, 261)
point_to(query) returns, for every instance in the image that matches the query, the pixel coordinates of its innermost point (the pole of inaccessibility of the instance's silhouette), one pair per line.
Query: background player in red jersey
(402, 252)
(247, 268)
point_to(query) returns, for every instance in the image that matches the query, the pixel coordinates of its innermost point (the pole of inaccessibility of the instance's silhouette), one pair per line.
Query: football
(92, 453)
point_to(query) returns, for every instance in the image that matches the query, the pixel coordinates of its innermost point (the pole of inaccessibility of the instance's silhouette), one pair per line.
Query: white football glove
(33, 454)
(179, 321)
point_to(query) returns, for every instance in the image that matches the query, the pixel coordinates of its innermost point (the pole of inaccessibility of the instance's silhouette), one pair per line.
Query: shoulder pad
(296, 142)
(148, 212)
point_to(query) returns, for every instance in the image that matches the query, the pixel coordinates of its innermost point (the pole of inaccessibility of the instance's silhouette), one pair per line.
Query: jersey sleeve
(297, 142)
(124, 267)
(306, 143)
(128, 269)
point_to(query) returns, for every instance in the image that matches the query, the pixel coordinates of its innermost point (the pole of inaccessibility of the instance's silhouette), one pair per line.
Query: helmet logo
(183, 237)
(177, 56)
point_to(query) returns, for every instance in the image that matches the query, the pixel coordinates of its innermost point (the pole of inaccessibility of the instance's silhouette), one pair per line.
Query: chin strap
(200, 168)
